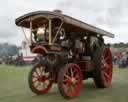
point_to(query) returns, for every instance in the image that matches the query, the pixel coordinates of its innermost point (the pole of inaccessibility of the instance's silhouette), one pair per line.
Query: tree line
(8, 49)
(120, 45)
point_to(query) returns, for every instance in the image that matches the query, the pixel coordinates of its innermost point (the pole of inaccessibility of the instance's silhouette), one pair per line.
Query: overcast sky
(110, 15)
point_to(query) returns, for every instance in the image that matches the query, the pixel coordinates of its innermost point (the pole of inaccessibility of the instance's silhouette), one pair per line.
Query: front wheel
(70, 81)
(40, 79)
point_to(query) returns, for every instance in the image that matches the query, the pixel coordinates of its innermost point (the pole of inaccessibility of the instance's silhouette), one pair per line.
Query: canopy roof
(24, 21)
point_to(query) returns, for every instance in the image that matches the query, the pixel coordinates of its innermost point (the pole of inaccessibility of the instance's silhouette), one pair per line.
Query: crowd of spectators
(121, 59)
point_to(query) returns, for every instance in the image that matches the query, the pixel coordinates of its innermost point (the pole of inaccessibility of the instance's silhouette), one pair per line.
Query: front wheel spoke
(72, 88)
(107, 58)
(71, 72)
(41, 71)
(107, 65)
(103, 77)
(36, 71)
(44, 84)
(68, 89)
(34, 76)
(74, 84)
(66, 76)
(38, 84)
(106, 75)
(35, 81)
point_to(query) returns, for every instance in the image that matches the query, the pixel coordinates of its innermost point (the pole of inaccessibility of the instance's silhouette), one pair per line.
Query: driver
(41, 33)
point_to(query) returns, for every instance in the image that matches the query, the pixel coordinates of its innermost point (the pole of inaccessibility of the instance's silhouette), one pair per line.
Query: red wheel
(103, 67)
(40, 79)
(70, 81)
(106, 67)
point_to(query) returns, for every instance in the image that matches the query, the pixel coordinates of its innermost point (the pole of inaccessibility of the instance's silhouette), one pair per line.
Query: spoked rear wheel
(70, 81)
(103, 67)
(40, 79)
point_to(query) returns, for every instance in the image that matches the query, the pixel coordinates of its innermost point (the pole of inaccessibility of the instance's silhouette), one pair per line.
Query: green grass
(14, 88)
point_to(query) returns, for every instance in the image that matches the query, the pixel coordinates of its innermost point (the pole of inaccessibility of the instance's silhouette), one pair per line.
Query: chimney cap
(57, 11)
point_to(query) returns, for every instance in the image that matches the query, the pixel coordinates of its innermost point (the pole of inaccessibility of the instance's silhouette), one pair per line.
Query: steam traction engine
(70, 52)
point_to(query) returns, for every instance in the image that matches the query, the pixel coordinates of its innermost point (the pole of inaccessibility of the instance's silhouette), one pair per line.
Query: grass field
(14, 88)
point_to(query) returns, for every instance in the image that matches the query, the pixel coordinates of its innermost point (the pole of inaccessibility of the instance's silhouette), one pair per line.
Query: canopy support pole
(30, 32)
(50, 31)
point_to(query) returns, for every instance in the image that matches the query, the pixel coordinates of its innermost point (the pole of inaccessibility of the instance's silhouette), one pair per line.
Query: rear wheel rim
(41, 78)
(71, 81)
(106, 67)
